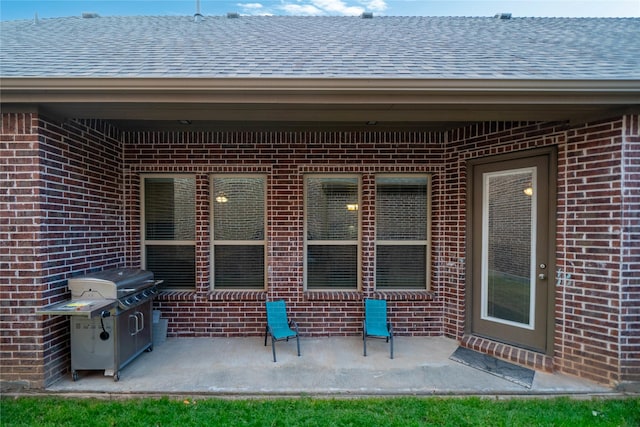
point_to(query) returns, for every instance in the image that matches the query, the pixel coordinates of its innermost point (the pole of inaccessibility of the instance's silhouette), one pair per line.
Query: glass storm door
(511, 256)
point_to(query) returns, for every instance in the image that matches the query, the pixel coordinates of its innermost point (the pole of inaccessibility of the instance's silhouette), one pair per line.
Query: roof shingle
(323, 47)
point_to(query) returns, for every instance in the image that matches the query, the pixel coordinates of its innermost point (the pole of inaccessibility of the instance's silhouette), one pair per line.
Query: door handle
(133, 326)
(141, 321)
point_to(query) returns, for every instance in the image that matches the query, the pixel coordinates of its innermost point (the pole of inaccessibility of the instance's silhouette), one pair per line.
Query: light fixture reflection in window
(352, 207)
(222, 198)
(528, 191)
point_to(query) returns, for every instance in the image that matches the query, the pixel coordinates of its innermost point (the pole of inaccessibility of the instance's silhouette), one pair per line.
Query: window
(238, 232)
(168, 229)
(402, 232)
(332, 232)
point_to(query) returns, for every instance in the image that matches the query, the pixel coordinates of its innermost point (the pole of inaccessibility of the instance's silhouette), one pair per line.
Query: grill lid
(110, 283)
(97, 293)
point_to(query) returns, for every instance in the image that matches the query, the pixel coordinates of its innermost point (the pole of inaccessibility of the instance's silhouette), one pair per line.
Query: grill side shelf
(86, 308)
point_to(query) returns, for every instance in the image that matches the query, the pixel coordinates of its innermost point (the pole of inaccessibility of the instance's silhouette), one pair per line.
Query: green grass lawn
(400, 411)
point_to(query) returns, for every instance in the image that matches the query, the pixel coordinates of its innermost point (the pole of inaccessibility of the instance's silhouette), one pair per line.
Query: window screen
(402, 224)
(238, 247)
(332, 224)
(169, 230)
(173, 264)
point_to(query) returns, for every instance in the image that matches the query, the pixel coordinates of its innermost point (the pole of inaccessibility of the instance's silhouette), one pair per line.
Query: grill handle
(141, 321)
(138, 323)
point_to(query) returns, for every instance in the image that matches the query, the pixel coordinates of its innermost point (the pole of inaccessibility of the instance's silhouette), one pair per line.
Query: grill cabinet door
(127, 339)
(135, 332)
(143, 338)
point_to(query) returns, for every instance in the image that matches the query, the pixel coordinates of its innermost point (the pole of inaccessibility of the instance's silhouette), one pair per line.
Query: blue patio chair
(375, 323)
(278, 326)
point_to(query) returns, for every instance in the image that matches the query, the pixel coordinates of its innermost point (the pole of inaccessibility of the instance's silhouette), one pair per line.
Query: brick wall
(284, 159)
(61, 215)
(588, 321)
(21, 336)
(464, 144)
(630, 274)
(71, 197)
(597, 261)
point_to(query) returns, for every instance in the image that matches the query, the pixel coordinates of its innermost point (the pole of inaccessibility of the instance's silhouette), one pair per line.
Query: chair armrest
(295, 325)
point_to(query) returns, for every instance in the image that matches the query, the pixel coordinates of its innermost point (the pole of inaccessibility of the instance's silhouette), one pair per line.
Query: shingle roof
(323, 47)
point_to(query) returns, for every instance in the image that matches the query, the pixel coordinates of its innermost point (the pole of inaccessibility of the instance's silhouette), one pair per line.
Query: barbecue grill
(110, 314)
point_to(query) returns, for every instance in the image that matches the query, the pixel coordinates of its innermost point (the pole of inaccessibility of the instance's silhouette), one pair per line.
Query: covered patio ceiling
(189, 104)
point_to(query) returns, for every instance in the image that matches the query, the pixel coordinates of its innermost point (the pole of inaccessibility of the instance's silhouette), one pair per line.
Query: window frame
(426, 242)
(143, 226)
(358, 241)
(213, 241)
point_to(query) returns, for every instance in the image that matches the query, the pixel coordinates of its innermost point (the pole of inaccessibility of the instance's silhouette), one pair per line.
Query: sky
(27, 9)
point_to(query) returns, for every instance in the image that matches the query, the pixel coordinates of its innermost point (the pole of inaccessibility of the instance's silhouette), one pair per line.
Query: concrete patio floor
(328, 366)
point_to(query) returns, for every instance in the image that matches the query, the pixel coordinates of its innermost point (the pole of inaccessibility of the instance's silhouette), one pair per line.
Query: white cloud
(375, 5)
(250, 6)
(256, 9)
(296, 9)
(331, 7)
(337, 6)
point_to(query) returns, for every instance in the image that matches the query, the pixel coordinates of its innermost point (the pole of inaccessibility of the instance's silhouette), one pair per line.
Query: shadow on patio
(328, 366)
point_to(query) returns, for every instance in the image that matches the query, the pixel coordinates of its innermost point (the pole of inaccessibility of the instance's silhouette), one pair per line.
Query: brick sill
(308, 295)
(332, 296)
(404, 295)
(238, 296)
(358, 296)
(176, 296)
(213, 296)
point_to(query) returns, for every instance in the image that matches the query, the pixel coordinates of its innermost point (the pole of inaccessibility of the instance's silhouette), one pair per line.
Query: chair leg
(390, 338)
(364, 338)
(266, 332)
(273, 348)
(298, 342)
